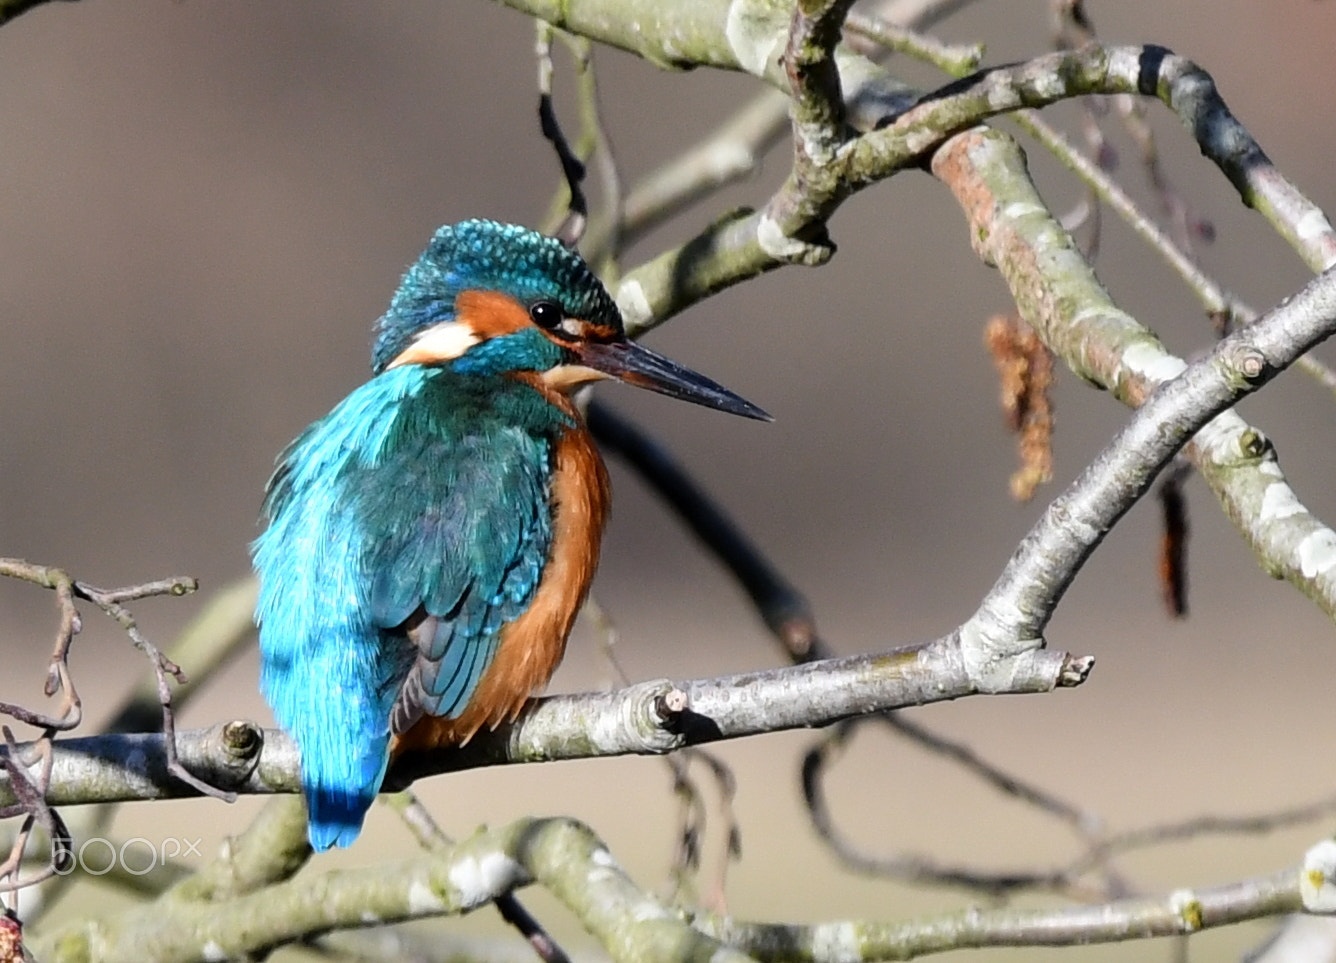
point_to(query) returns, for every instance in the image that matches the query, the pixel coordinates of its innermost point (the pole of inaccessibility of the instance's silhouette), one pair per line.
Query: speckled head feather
(481, 255)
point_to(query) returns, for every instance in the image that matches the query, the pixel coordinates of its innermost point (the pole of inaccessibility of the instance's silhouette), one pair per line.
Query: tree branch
(568, 859)
(646, 718)
(1180, 912)
(1059, 295)
(561, 854)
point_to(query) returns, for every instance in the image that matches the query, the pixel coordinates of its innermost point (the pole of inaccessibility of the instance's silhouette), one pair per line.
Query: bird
(427, 544)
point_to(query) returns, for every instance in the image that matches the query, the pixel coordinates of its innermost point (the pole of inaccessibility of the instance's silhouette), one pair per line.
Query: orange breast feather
(532, 645)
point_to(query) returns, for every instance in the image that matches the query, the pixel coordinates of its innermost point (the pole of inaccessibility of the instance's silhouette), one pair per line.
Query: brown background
(205, 205)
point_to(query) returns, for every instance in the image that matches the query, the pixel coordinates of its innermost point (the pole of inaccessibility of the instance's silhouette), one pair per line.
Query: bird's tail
(337, 800)
(334, 817)
(341, 732)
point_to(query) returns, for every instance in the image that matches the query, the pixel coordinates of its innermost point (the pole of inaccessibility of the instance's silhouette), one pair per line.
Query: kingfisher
(428, 543)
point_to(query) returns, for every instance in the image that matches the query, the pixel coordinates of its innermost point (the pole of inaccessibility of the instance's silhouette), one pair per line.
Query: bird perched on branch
(430, 540)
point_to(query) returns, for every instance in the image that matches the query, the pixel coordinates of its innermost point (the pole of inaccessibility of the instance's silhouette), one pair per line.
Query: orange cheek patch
(491, 314)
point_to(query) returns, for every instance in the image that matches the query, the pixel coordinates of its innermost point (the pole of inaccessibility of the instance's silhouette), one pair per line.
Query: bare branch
(561, 854)
(646, 718)
(573, 171)
(954, 59)
(1208, 825)
(1218, 302)
(791, 228)
(1078, 320)
(731, 152)
(1076, 522)
(814, 80)
(911, 867)
(209, 639)
(1180, 912)
(273, 848)
(920, 13)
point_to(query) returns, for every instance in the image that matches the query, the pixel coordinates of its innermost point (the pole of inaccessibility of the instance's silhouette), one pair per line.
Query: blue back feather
(424, 489)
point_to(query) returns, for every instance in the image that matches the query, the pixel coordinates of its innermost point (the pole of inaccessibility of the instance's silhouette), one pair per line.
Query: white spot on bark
(1279, 501)
(422, 901)
(752, 35)
(1317, 553)
(1000, 98)
(480, 879)
(1182, 902)
(836, 943)
(1316, 887)
(1312, 225)
(212, 952)
(1021, 209)
(776, 243)
(1152, 362)
(633, 304)
(647, 910)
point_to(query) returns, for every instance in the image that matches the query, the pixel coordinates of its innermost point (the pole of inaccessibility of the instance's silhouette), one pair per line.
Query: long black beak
(636, 365)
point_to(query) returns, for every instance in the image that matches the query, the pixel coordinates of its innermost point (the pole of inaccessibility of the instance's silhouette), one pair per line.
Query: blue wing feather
(421, 495)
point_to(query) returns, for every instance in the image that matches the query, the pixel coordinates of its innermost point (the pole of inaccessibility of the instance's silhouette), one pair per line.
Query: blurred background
(205, 205)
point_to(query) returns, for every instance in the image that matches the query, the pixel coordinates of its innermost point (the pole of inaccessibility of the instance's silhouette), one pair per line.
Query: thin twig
(1073, 29)
(1215, 299)
(58, 680)
(693, 811)
(904, 866)
(29, 793)
(108, 601)
(814, 81)
(781, 606)
(572, 169)
(32, 804)
(1196, 827)
(596, 144)
(954, 59)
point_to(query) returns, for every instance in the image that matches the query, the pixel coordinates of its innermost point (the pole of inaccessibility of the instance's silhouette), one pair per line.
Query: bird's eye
(546, 314)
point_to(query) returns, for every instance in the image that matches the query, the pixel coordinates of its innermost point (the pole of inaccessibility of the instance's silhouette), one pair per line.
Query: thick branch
(572, 862)
(647, 718)
(1059, 295)
(791, 228)
(561, 854)
(1075, 523)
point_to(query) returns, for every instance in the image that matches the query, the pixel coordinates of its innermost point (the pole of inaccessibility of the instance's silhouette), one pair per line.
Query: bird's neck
(554, 397)
(440, 401)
